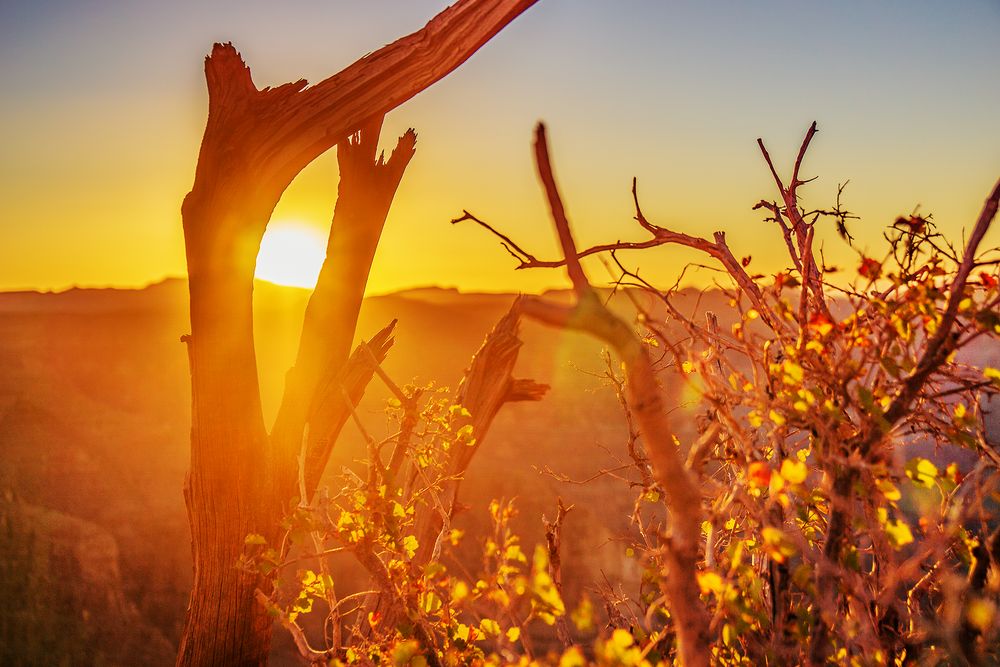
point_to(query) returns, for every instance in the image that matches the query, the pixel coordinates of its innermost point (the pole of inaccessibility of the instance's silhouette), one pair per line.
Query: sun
(291, 253)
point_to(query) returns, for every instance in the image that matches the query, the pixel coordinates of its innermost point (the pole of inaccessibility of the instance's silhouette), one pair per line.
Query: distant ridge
(171, 294)
(167, 294)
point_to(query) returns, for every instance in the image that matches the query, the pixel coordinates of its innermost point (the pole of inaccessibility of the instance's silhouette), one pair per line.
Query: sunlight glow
(291, 253)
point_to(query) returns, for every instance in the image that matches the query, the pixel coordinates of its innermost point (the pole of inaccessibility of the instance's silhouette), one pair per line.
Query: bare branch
(646, 400)
(365, 193)
(329, 413)
(553, 543)
(770, 165)
(526, 258)
(798, 160)
(573, 268)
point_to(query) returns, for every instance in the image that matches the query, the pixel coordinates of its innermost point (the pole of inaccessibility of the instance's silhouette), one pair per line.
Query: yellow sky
(104, 108)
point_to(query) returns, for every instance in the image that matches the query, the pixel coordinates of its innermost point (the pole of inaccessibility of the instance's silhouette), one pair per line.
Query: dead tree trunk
(255, 143)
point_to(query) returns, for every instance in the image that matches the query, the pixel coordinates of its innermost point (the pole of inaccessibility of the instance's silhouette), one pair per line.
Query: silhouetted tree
(256, 141)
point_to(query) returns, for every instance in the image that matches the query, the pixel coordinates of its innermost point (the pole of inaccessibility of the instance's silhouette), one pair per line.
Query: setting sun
(291, 254)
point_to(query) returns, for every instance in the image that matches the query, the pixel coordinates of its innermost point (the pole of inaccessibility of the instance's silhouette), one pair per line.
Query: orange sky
(103, 111)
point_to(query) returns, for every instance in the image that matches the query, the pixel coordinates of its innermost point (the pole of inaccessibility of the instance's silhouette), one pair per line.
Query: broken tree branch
(367, 187)
(329, 413)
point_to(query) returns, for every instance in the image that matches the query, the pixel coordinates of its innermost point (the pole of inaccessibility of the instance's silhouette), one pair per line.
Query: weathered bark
(255, 142)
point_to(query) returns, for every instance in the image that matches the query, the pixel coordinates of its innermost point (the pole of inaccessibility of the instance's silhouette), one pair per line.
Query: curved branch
(281, 130)
(645, 398)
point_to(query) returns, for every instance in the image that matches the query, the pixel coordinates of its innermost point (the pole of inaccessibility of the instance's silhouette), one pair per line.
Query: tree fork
(255, 143)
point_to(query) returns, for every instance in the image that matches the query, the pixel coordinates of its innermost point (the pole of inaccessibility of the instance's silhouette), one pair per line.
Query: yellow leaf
(572, 657)
(777, 544)
(583, 615)
(709, 582)
(889, 490)
(793, 372)
(430, 602)
(410, 545)
(460, 591)
(401, 655)
(898, 532)
(776, 485)
(922, 472)
(621, 638)
(489, 627)
(514, 553)
(794, 472)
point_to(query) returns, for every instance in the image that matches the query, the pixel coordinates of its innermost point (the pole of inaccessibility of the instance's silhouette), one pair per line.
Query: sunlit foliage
(848, 488)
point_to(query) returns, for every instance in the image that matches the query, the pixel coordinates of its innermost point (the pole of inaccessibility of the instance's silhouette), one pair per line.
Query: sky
(104, 104)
